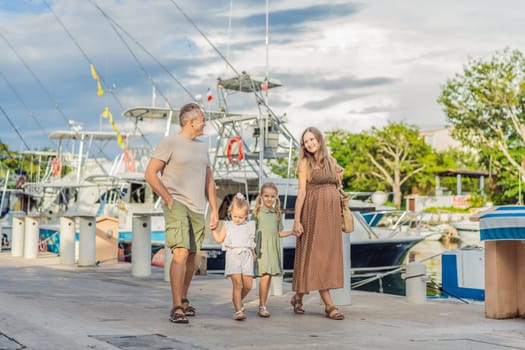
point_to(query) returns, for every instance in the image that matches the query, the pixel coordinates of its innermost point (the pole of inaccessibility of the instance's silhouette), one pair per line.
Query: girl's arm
(285, 233)
(219, 236)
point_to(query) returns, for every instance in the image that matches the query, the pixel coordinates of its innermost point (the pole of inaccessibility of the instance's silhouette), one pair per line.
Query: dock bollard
(141, 246)
(416, 282)
(87, 241)
(167, 263)
(342, 296)
(67, 240)
(31, 237)
(17, 239)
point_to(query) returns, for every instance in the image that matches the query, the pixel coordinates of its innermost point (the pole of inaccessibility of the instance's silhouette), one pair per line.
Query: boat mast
(263, 119)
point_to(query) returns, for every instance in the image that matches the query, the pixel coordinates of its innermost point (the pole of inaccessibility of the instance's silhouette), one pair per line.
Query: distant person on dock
(267, 214)
(238, 240)
(185, 184)
(318, 263)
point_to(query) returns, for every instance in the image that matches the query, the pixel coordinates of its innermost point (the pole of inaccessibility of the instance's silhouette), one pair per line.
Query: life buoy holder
(129, 160)
(56, 166)
(234, 150)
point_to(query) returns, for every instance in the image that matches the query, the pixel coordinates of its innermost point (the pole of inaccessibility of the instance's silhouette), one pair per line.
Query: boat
(468, 232)
(393, 221)
(241, 147)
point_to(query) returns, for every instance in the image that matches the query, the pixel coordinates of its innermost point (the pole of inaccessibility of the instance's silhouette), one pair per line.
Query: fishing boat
(468, 232)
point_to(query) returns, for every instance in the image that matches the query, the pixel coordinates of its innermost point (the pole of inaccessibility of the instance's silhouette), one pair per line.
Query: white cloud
(349, 65)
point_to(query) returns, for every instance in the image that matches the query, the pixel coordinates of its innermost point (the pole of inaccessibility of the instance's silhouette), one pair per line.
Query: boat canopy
(84, 135)
(245, 83)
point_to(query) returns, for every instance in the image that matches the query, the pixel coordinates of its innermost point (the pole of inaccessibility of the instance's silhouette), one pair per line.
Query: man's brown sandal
(297, 305)
(178, 317)
(334, 314)
(188, 310)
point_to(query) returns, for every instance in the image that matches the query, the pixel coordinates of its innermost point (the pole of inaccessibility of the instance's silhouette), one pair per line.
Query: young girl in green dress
(267, 214)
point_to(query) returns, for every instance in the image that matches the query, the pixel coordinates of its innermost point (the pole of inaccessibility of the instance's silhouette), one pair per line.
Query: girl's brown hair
(259, 202)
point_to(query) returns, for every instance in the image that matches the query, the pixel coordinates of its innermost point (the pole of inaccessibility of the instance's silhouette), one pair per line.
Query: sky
(348, 65)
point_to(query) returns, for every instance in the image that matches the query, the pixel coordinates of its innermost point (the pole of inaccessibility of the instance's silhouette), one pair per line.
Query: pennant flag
(94, 74)
(210, 96)
(120, 140)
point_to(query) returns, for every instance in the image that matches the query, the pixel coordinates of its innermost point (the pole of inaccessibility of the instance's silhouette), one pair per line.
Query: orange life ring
(234, 150)
(42, 246)
(129, 160)
(56, 166)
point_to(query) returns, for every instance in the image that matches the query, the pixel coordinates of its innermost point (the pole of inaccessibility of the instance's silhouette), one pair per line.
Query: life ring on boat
(56, 166)
(42, 246)
(129, 160)
(234, 150)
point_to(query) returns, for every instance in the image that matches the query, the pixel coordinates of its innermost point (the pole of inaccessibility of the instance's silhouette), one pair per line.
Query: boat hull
(369, 254)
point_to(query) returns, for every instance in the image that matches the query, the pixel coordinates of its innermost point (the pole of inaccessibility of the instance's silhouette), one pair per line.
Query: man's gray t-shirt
(184, 175)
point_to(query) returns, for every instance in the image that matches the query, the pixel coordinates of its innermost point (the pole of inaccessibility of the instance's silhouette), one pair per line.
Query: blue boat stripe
(504, 233)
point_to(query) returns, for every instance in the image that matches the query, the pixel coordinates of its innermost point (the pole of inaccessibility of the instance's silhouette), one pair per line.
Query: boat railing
(396, 220)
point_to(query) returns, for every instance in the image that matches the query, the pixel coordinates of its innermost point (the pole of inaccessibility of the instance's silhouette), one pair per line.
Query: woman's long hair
(324, 159)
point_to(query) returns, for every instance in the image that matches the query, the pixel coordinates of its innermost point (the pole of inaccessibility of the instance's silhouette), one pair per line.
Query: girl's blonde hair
(239, 202)
(259, 202)
(324, 159)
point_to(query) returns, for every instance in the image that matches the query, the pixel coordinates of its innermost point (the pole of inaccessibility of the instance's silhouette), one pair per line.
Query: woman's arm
(301, 195)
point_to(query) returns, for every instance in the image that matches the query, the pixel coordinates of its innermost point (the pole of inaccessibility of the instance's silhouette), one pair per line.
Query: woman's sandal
(188, 310)
(297, 305)
(334, 314)
(178, 317)
(239, 315)
(263, 312)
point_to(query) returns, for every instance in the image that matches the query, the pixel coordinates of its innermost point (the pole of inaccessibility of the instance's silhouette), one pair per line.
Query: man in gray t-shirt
(185, 184)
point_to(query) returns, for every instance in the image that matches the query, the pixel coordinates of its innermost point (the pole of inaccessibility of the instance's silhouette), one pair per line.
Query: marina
(105, 307)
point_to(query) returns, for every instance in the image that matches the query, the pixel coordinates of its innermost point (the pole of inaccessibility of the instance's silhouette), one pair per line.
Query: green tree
(382, 158)
(486, 107)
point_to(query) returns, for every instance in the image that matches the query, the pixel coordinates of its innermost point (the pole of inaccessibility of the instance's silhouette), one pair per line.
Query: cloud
(353, 65)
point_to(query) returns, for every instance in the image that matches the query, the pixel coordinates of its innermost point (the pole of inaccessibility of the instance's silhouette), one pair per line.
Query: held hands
(297, 229)
(214, 220)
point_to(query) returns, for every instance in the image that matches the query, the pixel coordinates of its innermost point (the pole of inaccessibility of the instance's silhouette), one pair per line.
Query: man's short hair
(185, 114)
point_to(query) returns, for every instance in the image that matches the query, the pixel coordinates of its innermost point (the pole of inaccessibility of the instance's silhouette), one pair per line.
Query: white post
(141, 246)
(341, 296)
(87, 241)
(276, 286)
(167, 263)
(17, 238)
(67, 240)
(31, 237)
(416, 282)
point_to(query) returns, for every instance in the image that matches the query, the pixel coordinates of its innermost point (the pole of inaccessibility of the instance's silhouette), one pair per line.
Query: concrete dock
(46, 305)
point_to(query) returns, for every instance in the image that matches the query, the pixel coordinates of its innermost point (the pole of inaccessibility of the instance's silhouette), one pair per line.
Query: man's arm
(152, 178)
(211, 194)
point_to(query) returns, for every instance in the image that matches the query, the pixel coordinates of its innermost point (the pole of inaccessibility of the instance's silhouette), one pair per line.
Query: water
(428, 252)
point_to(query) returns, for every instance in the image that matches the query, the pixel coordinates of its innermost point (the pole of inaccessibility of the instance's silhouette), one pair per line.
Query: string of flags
(94, 74)
(106, 113)
(120, 140)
